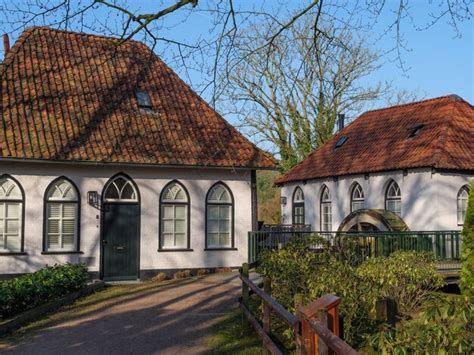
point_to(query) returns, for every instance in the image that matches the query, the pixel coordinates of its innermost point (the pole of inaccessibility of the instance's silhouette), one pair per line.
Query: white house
(108, 158)
(407, 167)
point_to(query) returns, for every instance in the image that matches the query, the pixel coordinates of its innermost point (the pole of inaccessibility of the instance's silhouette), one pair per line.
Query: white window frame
(61, 201)
(357, 200)
(393, 193)
(174, 202)
(326, 210)
(219, 204)
(6, 200)
(462, 201)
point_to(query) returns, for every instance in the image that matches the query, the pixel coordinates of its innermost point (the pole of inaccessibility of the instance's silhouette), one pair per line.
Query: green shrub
(296, 268)
(467, 258)
(407, 276)
(49, 283)
(446, 327)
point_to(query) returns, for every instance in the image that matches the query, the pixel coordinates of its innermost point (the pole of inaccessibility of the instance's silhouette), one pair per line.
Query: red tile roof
(379, 140)
(71, 97)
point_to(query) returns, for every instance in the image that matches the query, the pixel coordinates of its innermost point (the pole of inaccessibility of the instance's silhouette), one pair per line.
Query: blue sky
(438, 61)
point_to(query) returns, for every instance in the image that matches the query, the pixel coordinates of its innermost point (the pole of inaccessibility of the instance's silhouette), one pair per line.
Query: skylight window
(143, 99)
(415, 131)
(341, 141)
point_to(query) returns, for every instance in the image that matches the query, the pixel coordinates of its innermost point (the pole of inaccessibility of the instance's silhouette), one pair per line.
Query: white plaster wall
(428, 199)
(35, 178)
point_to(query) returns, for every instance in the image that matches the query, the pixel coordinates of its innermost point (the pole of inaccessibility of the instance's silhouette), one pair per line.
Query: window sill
(219, 249)
(172, 250)
(13, 253)
(61, 252)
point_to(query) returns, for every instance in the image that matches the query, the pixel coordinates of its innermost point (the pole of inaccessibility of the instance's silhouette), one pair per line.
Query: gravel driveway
(173, 319)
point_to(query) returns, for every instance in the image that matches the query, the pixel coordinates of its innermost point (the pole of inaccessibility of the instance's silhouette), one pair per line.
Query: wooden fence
(316, 325)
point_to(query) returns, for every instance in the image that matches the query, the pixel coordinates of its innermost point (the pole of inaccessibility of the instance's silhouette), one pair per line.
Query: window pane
(9, 189)
(54, 210)
(180, 240)
(13, 227)
(168, 226)
(69, 210)
(69, 226)
(212, 239)
(181, 212)
(12, 242)
(53, 241)
(213, 226)
(2, 206)
(168, 211)
(112, 192)
(53, 226)
(224, 239)
(168, 240)
(13, 210)
(128, 193)
(224, 226)
(213, 212)
(224, 212)
(68, 241)
(180, 226)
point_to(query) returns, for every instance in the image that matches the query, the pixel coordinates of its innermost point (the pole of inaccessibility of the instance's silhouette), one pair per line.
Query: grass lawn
(83, 306)
(227, 336)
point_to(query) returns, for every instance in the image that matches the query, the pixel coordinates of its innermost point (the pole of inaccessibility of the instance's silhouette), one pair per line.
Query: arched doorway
(373, 220)
(120, 240)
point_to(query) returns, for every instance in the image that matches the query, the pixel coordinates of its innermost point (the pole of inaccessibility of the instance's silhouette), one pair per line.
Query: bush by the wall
(49, 283)
(407, 276)
(298, 269)
(467, 270)
(446, 327)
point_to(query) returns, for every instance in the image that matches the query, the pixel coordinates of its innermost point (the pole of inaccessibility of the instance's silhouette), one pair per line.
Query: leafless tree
(290, 97)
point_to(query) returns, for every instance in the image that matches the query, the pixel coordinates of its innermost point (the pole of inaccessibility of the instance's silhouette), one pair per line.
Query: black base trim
(14, 253)
(220, 249)
(172, 250)
(61, 252)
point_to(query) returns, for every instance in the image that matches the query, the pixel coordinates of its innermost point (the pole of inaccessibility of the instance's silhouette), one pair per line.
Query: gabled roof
(437, 133)
(72, 97)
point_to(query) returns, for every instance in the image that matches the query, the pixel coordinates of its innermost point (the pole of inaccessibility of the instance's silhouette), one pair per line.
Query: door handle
(119, 248)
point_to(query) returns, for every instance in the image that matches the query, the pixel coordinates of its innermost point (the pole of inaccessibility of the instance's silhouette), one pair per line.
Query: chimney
(6, 44)
(340, 121)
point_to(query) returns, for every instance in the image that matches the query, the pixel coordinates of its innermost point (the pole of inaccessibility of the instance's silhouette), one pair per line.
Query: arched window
(219, 217)
(174, 220)
(120, 189)
(326, 211)
(463, 197)
(393, 198)
(298, 206)
(357, 198)
(61, 217)
(11, 215)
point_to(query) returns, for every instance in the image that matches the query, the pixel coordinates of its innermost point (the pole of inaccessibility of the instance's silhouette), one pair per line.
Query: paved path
(173, 319)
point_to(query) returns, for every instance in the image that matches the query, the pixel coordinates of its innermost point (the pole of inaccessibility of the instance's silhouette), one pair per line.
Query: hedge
(47, 284)
(467, 270)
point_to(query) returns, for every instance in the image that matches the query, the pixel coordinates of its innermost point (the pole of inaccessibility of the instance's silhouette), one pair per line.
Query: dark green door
(120, 241)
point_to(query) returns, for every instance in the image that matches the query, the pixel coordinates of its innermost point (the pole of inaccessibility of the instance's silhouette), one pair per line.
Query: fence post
(299, 299)
(386, 310)
(267, 288)
(245, 296)
(320, 344)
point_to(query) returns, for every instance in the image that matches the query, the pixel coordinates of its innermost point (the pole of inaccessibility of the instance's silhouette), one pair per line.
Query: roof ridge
(79, 33)
(450, 98)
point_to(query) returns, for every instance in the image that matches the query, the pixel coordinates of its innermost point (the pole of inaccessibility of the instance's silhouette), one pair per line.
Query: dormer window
(415, 131)
(144, 100)
(341, 141)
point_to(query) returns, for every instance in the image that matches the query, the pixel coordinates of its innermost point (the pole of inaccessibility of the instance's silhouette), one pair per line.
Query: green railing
(445, 245)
